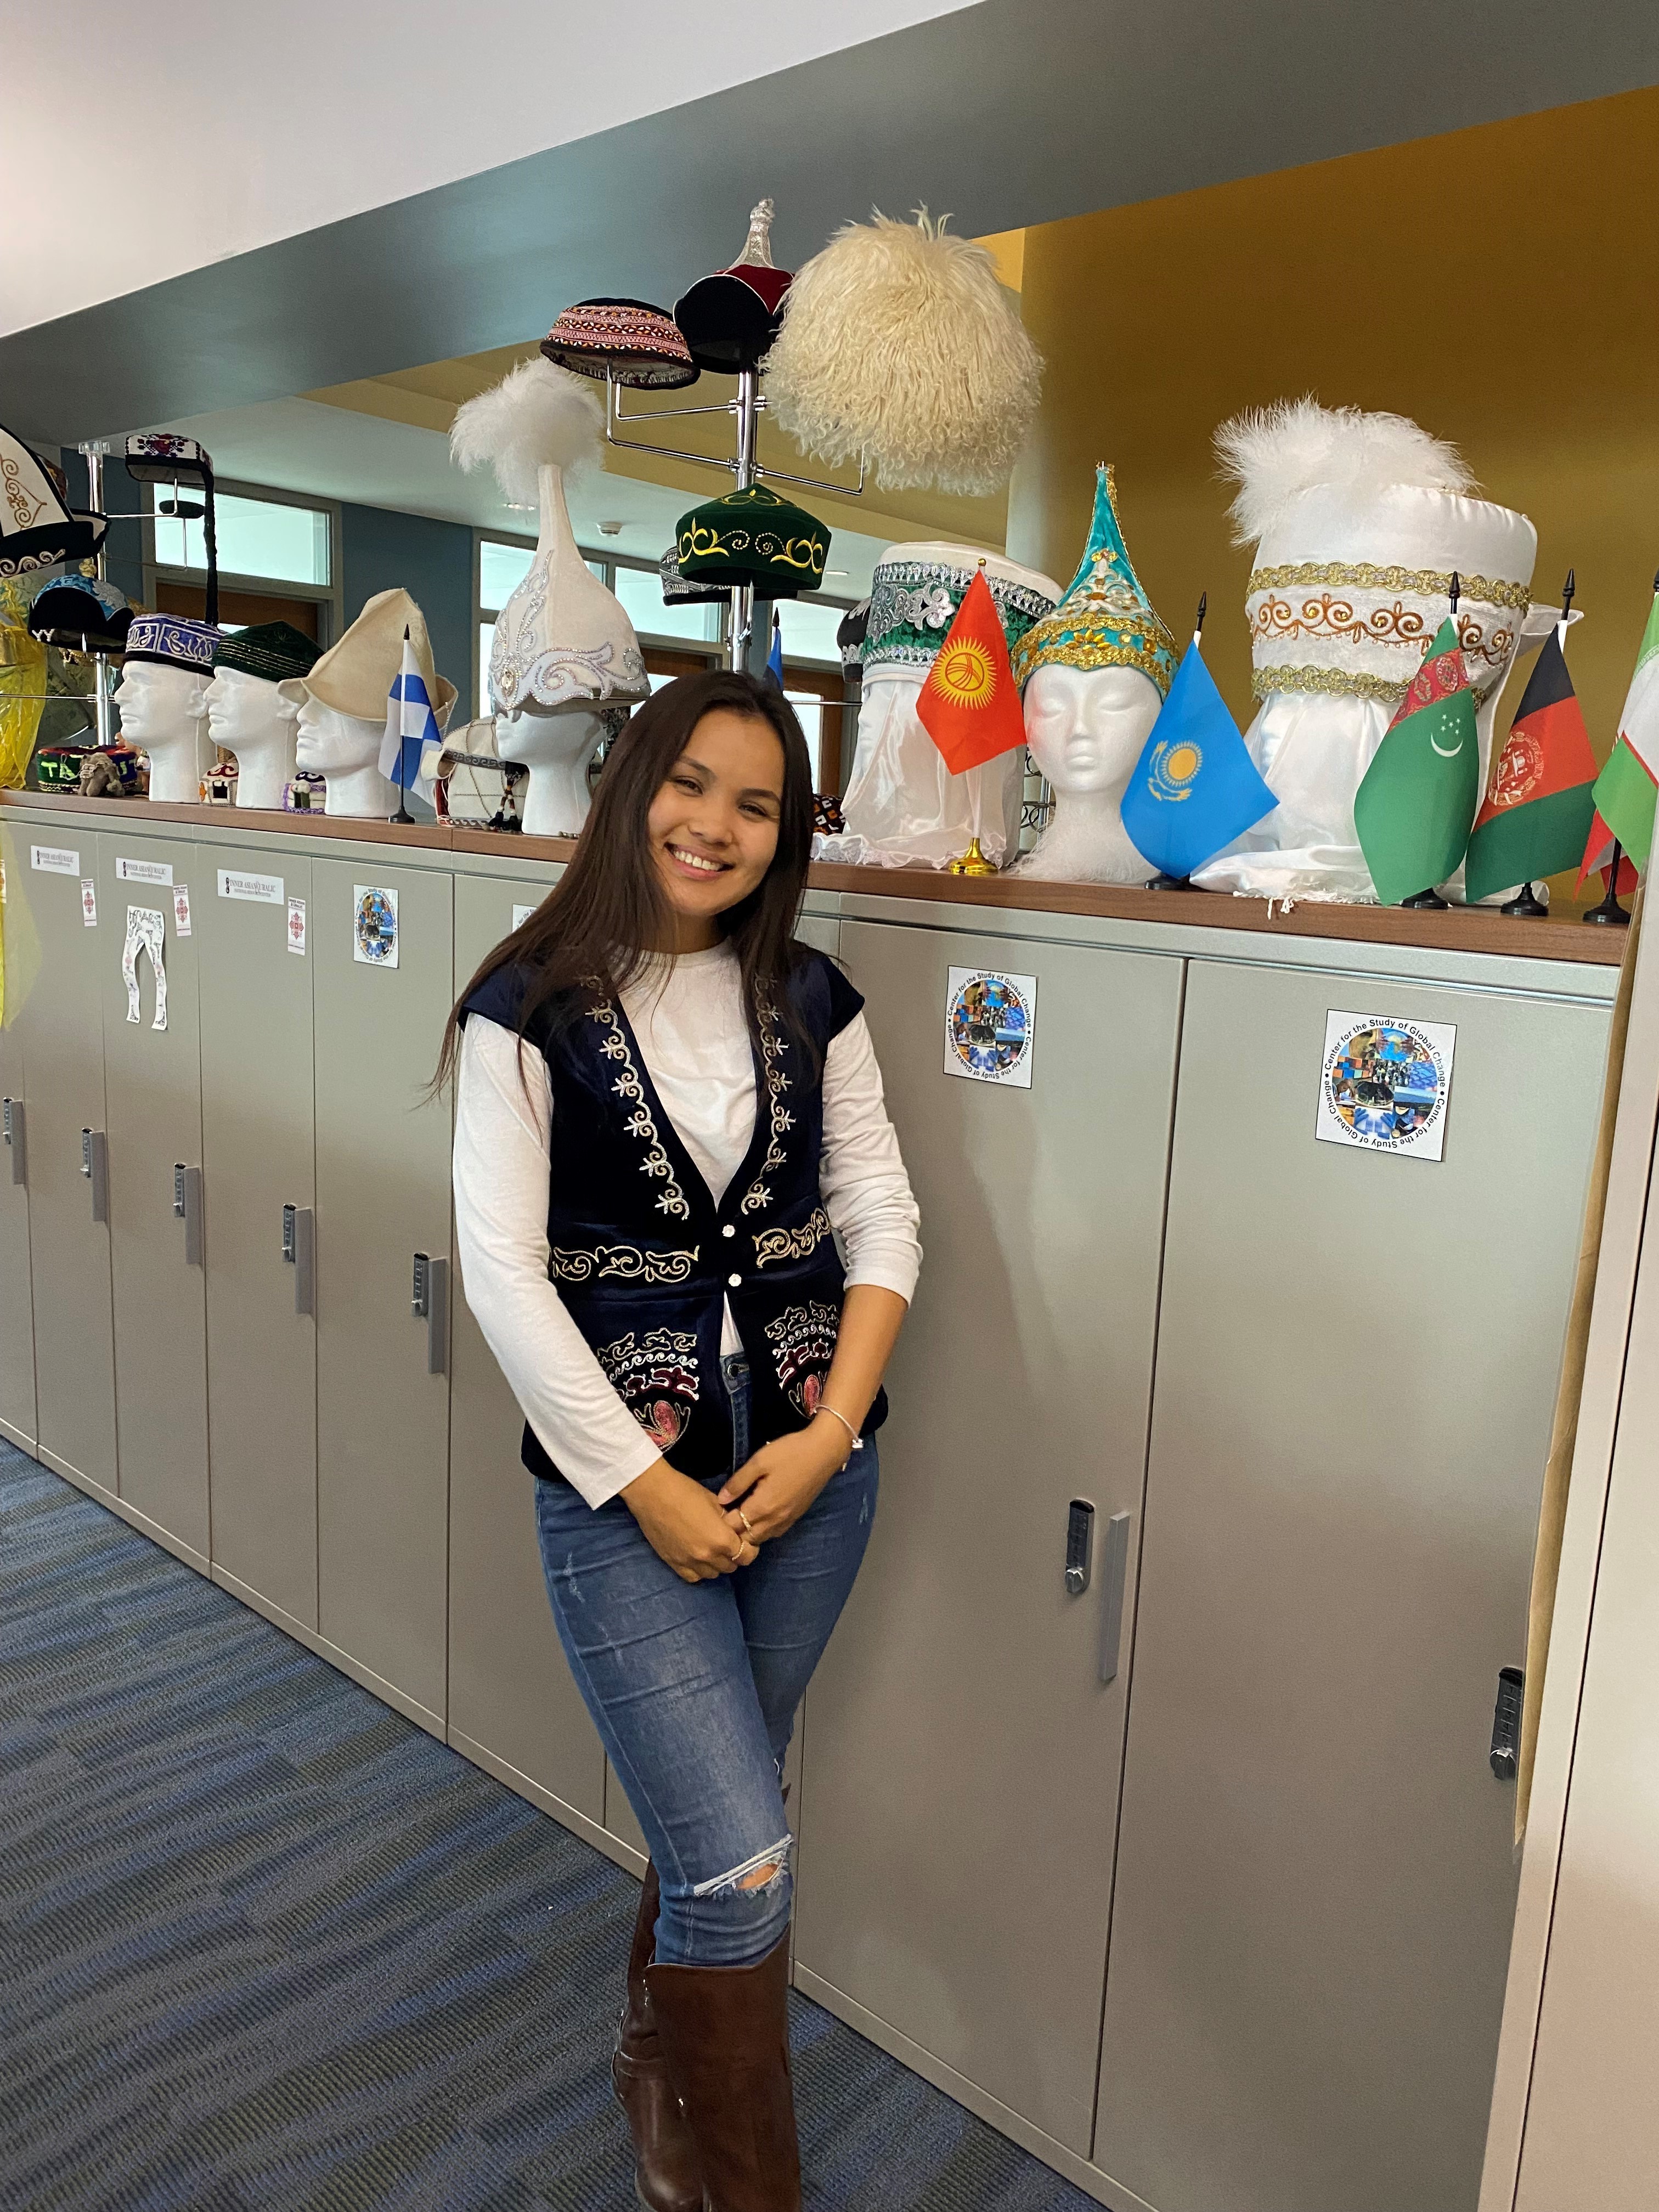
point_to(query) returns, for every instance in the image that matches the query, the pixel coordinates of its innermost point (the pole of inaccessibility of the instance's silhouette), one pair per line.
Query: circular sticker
(1386, 1083)
(377, 926)
(988, 1023)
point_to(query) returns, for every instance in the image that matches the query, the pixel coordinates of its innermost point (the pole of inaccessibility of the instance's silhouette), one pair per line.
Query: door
(510, 1691)
(153, 1087)
(962, 1749)
(257, 1157)
(1357, 1366)
(21, 953)
(381, 953)
(59, 1018)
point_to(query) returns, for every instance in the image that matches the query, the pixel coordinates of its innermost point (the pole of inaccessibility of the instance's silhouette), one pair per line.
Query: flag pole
(1430, 900)
(1161, 882)
(1610, 913)
(1526, 905)
(402, 813)
(973, 862)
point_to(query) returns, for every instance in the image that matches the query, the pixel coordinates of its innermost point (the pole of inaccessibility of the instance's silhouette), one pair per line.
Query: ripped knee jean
(694, 1686)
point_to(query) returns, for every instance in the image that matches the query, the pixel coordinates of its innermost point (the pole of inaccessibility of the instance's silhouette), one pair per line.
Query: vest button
(734, 1280)
(728, 1231)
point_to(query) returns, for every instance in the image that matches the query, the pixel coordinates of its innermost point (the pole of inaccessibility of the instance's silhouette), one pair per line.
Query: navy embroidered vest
(643, 1258)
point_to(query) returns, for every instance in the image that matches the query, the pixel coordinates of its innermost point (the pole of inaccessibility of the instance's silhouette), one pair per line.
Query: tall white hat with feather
(1359, 520)
(562, 641)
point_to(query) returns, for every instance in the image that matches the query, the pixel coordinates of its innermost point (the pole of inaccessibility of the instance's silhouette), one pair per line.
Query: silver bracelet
(858, 1441)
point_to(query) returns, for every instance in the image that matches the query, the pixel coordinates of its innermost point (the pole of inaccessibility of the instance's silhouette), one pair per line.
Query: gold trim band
(1433, 583)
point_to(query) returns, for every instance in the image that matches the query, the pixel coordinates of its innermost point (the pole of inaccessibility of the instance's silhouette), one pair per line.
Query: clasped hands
(701, 1534)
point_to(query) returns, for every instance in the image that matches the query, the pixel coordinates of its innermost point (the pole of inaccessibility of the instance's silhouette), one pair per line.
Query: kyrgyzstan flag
(1538, 809)
(969, 705)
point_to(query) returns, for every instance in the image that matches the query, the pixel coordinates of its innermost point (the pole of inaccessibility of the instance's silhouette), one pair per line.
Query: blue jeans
(692, 1687)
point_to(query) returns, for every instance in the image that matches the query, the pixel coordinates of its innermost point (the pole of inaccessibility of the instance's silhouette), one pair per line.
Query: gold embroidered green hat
(753, 536)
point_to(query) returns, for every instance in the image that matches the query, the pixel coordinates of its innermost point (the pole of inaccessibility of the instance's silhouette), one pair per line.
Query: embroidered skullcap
(754, 537)
(173, 642)
(273, 651)
(639, 345)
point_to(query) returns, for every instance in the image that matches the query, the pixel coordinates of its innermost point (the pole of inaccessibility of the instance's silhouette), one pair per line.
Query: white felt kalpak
(1349, 586)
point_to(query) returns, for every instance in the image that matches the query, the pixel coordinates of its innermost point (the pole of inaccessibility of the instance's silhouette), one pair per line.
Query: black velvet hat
(730, 320)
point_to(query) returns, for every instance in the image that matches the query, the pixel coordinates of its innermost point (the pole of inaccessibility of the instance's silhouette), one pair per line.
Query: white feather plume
(1273, 453)
(538, 413)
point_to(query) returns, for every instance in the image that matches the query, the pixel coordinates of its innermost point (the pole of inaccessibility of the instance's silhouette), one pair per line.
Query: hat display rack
(746, 409)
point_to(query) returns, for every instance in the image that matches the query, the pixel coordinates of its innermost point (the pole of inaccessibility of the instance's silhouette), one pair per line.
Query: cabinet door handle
(300, 1250)
(187, 1207)
(14, 1126)
(1115, 1575)
(430, 1302)
(94, 1165)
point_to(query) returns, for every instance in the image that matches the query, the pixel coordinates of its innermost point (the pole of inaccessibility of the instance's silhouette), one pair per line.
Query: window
(640, 591)
(809, 630)
(256, 538)
(502, 569)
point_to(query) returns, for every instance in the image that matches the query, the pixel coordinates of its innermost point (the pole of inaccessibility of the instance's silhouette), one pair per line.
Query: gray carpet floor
(263, 1944)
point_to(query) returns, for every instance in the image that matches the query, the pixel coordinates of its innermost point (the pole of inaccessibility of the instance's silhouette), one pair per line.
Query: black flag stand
(1610, 914)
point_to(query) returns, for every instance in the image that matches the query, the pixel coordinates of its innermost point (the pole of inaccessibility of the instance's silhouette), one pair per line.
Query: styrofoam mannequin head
(164, 710)
(1086, 728)
(255, 720)
(556, 747)
(345, 750)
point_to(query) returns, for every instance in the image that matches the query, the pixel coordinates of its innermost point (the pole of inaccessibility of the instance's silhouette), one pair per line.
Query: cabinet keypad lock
(94, 1165)
(298, 1250)
(1506, 1723)
(178, 1190)
(187, 1208)
(14, 1129)
(430, 1302)
(420, 1304)
(1079, 1546)
(288, 1216)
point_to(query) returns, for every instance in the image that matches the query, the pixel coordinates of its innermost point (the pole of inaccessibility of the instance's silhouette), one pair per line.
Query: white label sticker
(181, 910)
(374, 926)
(142, 872)
(267, 890)
(296, 926)
(55, 859)
(990, 1026)
(146, 933)
(521, 914)
(89, 902)
(1384, 1083)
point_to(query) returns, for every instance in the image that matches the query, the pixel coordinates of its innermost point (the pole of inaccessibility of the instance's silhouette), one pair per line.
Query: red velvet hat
(730, 320)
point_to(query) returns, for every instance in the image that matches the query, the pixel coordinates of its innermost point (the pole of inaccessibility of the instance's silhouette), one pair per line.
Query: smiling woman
(668, 1109)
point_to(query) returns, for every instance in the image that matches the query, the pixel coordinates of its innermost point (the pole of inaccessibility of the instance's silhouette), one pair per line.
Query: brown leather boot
(667, 2175)
(724, 2034)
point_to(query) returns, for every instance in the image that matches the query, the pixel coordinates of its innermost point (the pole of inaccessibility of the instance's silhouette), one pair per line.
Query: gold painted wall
(1500, 285)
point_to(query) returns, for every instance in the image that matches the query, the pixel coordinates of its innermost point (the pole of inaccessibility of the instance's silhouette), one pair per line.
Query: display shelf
(1453, 929)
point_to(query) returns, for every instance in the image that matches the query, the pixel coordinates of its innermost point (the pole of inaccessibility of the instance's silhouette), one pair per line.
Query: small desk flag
(1194, 787)
(411, 725)
(1416, 800)
(1625, 789)
(1538, 810)
(774, 659)
(969, 705)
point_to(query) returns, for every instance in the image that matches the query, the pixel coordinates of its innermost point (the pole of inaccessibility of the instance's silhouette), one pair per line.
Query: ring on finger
(743, 1517)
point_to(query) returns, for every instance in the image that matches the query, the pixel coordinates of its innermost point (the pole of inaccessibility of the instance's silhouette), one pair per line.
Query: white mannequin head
(555, 747)
(1086, 729)
(164, 710)
(254, 718)
(347, 751)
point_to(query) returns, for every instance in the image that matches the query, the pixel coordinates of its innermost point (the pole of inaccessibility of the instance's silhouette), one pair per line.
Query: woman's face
(713, 827)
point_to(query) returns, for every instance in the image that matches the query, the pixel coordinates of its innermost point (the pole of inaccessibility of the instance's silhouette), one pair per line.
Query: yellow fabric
(1564, 1435)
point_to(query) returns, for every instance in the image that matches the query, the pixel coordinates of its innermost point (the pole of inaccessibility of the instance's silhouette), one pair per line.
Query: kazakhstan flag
(1195, 788)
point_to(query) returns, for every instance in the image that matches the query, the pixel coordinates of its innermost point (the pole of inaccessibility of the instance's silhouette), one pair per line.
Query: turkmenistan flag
(1538, 809)
(1417, 799)
(1625, 788)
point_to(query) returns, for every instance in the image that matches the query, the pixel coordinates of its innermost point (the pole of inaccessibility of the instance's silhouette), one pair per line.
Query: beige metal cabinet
(512, 1702)
(962, 1750)
(21, 956)
(59, 1021)
(1357, 1363)
(153, 1087)
(257, 1154)
(382, 1198)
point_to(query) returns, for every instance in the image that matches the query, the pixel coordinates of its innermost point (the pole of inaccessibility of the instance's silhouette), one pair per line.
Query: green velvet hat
(271, 651)
(753, 536)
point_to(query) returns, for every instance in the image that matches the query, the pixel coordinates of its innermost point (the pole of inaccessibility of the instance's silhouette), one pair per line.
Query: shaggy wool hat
(898, 345)
(79, 614)
(273, 651)
(630, 340)
(173, 642)
(355, 675)
(1105, 619)
(729, 319)
(754, 537)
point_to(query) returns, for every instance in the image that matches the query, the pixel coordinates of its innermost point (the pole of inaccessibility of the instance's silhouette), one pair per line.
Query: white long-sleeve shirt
(695, 1042)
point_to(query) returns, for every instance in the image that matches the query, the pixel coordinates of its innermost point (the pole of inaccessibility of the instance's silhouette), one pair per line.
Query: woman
(666, 1106)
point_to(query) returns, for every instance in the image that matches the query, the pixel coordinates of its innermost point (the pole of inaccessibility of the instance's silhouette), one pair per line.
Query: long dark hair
(587, 939)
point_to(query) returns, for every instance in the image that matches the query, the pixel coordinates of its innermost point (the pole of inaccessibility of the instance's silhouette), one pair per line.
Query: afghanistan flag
(969, 705)
(1417, 799)
(1195, 788)
(1625, 788)
(1538, 809)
